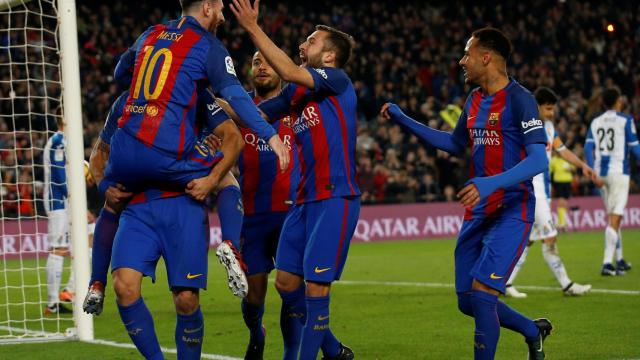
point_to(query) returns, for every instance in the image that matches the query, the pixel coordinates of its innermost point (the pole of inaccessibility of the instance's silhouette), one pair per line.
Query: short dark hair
(340, 42)
(545, 96)
(494, 40)
(609, 97)
(187, 4)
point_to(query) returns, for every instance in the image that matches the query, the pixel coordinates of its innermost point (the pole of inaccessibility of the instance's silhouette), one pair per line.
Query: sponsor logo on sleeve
(322, 73)
(228, 62)
(531, 125)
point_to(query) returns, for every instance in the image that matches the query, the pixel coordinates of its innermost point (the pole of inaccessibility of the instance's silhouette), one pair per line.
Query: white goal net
(31, 94)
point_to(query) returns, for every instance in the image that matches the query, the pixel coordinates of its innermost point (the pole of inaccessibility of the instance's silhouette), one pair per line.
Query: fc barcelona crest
(494, 118)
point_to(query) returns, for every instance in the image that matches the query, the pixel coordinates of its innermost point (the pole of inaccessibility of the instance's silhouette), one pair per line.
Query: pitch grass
(401, 321)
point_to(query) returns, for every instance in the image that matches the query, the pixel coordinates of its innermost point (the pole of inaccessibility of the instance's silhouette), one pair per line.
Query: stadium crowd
(406, 52)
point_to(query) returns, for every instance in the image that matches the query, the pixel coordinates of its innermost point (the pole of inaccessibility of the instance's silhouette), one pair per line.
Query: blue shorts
(259, 242)
(138, 166)
(175, 228)
(487, 250)
(315, 238)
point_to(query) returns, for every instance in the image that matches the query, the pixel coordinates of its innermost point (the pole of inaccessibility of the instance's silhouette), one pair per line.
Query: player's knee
(186, 301)
(127, 292)
(286, 285)
(464, 304)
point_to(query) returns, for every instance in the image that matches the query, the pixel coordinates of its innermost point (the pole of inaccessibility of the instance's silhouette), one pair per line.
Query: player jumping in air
(501, 126)
(155, 145)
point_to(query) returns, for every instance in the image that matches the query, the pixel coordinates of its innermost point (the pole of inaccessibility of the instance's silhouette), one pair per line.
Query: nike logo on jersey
(189, 276)
(495, 277)
(322, 318)
(318, 270)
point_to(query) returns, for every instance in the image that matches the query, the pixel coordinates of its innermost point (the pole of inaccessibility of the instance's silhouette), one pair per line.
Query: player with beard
(267, 195)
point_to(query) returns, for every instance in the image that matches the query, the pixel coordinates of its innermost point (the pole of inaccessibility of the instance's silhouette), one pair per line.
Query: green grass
(386, 321)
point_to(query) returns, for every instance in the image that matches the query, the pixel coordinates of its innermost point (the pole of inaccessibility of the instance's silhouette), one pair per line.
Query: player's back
(170, 65)
(610, 133)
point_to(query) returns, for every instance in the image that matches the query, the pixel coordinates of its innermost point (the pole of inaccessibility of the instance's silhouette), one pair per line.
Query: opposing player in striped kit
(612, 136)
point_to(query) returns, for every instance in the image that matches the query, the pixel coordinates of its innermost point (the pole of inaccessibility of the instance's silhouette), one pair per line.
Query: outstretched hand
(246, 13)
(390, 110)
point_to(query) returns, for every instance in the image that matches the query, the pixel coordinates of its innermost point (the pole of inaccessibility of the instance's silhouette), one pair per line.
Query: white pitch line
(451, 286)
(104, 342)
(164, 349)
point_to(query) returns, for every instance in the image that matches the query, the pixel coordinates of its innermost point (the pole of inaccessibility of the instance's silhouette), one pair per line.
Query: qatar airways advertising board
(26, 239)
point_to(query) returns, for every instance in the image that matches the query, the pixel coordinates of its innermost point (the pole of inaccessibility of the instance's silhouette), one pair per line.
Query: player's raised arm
(451, 143)
(247, 16)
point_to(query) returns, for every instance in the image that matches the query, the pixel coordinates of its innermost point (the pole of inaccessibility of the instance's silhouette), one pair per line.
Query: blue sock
(230, 212)
(252, 315)
(189, 335)
(105, 232)
(330, 345)
(139, 324)
(464, 303)
(487, 330)
(315, 327)
(515, 321)
(292, 318)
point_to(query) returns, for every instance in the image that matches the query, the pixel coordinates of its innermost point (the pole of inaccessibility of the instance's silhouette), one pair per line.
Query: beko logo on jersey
(531, 125)
(228, 62)
(214, 108)
(485, 137)
(310, 117)
(261, 145)
(322, 73)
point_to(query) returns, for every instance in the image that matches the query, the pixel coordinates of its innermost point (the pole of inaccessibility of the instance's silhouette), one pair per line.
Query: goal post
(72, 101)
(39, 85)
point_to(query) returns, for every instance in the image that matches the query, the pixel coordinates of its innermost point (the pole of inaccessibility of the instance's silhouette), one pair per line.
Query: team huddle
(185, 121)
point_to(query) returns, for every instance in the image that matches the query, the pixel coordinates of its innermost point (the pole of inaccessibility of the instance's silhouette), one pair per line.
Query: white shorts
(543, 226)
(58, 229)
(615, 193)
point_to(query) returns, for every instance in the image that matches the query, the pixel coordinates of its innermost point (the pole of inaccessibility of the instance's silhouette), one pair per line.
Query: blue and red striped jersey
(497, 128)
(325, 127)
(208, 116)
(264, 187)
(170, 63)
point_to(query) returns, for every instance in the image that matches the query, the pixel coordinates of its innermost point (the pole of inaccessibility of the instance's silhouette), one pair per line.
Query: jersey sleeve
(212, 114)
(123, 73)
(528, 119)
(630, 133)
(220, 69)
(278, 106)
(329, 80)
(460, 134)
(111, 124)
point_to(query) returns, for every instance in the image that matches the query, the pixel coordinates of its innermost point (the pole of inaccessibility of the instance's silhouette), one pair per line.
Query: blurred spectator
(407, 52)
